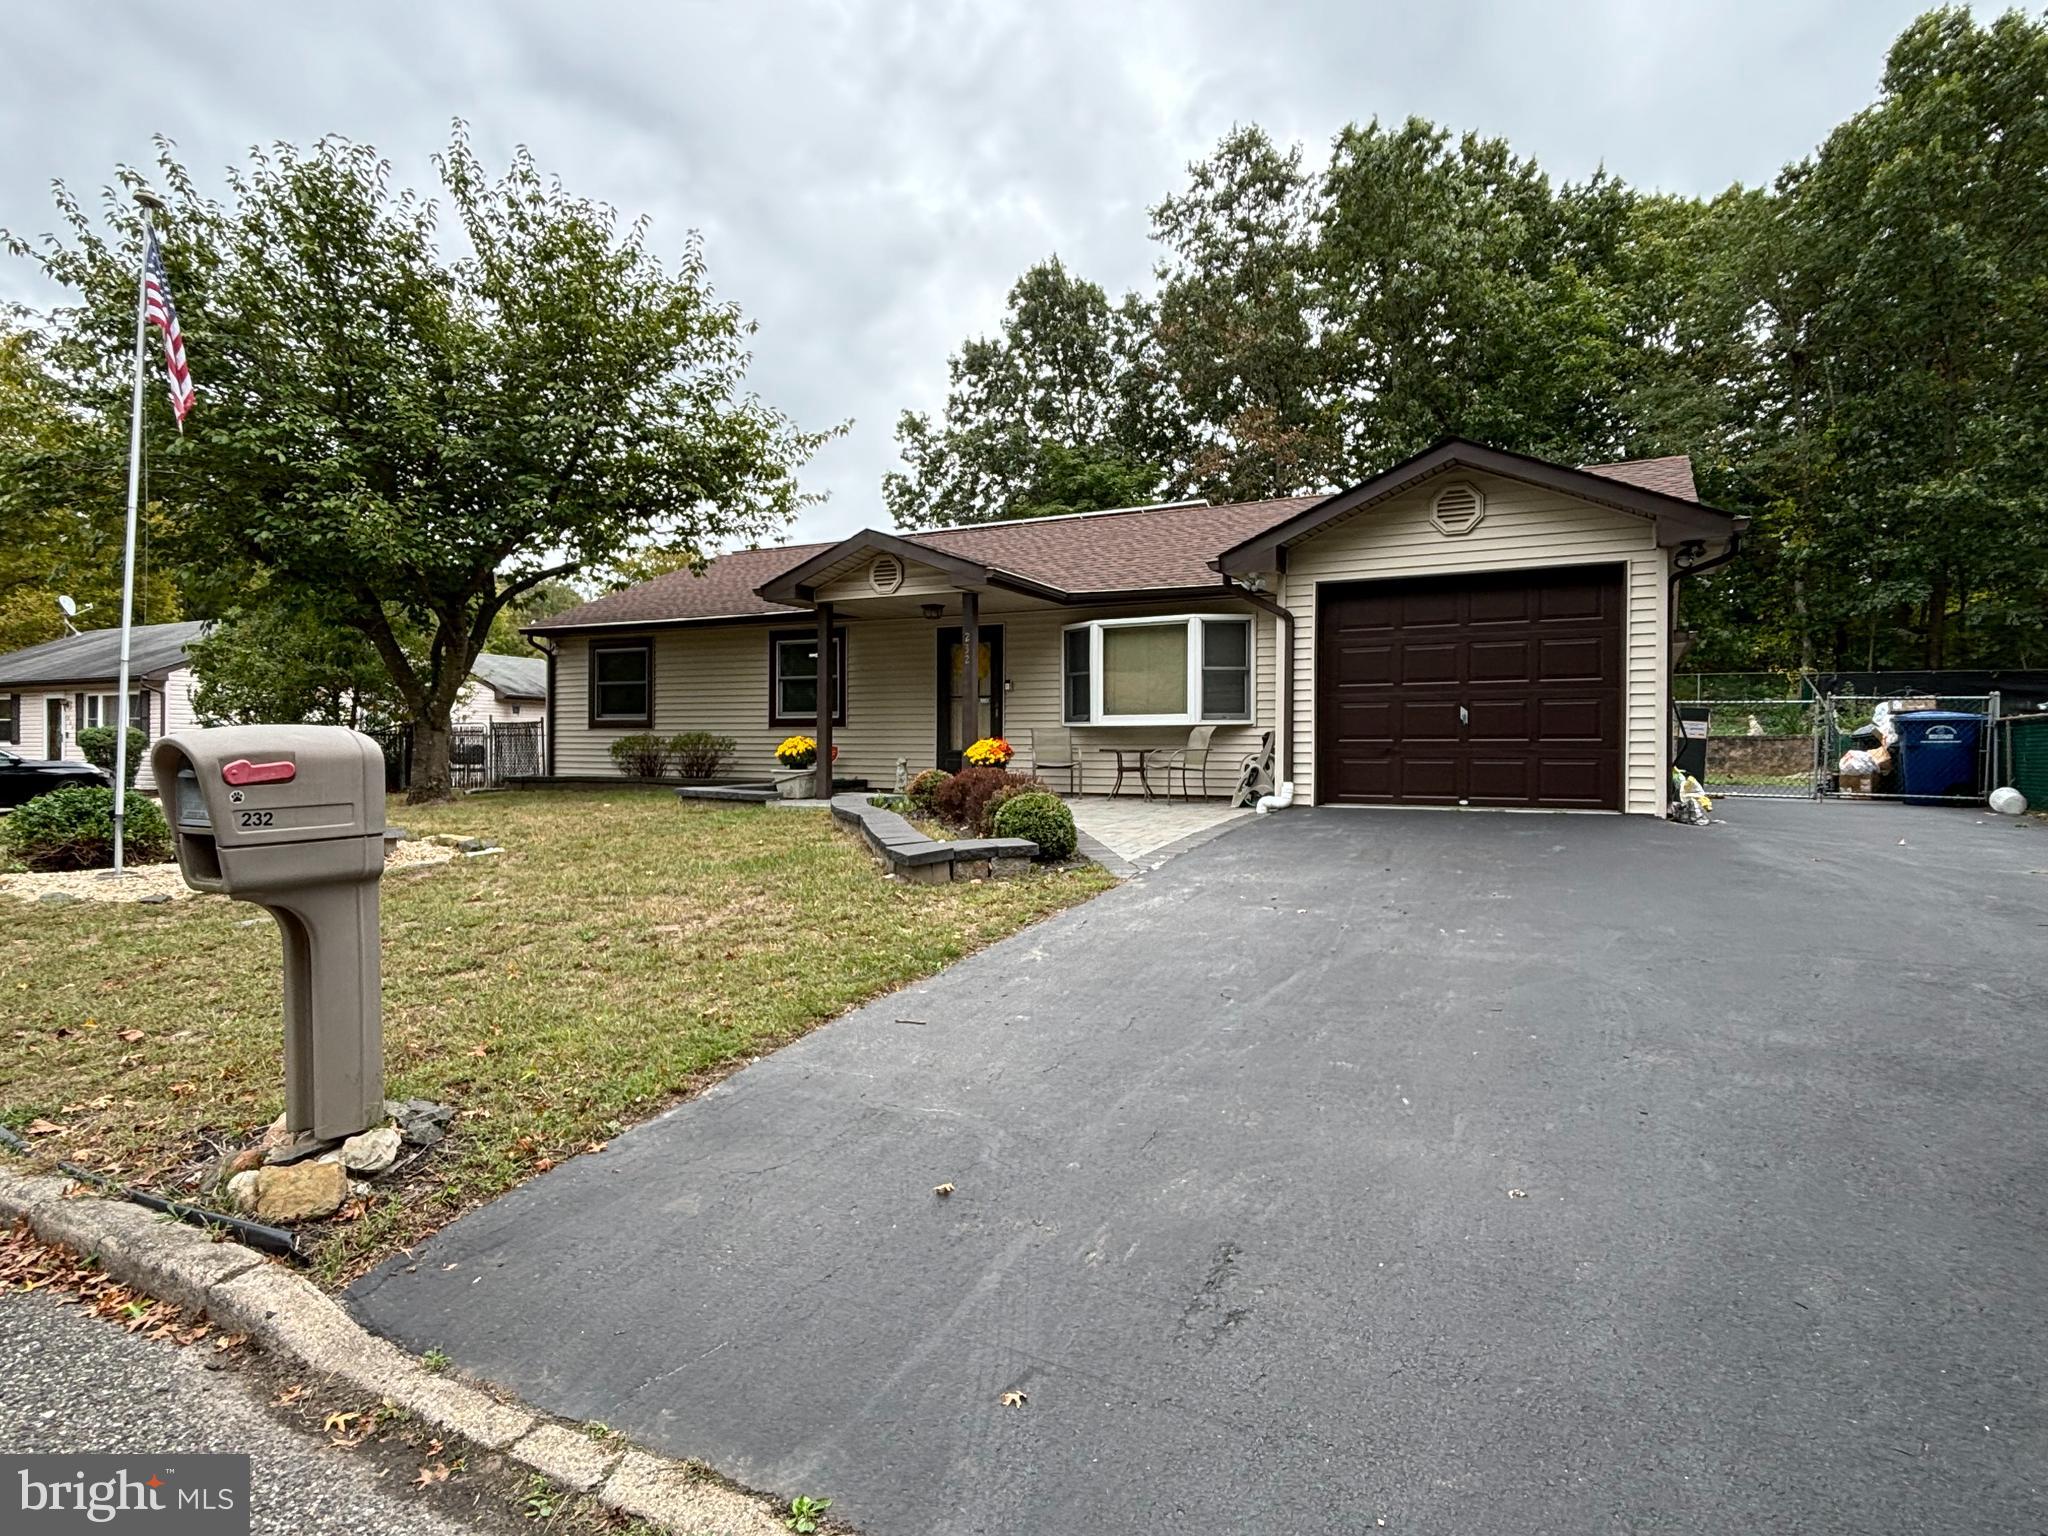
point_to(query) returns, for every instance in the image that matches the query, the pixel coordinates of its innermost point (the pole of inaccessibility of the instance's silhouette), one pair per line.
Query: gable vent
(1458, 509)
(885, 575)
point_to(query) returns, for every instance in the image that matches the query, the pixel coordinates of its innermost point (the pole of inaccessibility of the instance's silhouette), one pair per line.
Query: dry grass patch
(622, 951)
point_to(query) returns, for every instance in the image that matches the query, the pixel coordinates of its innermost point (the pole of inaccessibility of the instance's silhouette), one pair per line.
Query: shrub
(97, 743)
(701, 755)
(1044, 818)
(924, 789)
(74, 829)
(970, 797)
(642, 755)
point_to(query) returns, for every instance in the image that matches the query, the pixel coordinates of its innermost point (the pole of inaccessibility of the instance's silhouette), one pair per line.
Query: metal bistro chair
(1053, 748)
(1192, 757)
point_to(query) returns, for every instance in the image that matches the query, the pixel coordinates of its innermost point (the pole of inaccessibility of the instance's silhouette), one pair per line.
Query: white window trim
(1192, 715)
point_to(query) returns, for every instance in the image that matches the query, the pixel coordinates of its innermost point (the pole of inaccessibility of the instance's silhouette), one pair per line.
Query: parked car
(23, 778)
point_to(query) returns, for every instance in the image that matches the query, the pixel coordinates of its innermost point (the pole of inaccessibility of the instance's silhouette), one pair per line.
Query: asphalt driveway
(1473, 1173)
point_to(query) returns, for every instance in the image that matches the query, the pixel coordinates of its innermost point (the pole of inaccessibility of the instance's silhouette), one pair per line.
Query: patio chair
(1052, 748)
(1194, 757)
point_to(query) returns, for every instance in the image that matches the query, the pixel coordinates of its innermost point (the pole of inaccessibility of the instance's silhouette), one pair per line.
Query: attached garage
(1478, 628)
(1502, 689)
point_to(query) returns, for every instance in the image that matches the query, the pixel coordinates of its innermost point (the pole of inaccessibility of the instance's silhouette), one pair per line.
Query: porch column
(970, 664)
(827, 691)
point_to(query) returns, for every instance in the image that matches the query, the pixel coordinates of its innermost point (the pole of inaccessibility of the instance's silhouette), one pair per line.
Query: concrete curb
(294, 1319)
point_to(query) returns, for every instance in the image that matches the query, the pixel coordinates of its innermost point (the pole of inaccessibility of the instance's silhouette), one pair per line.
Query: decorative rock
(55, 899)
(242, 1189)
(275, 1135)
(371, 1152)
(245, 1160)
(298, 1191)
(420, 1121)
(152, 901)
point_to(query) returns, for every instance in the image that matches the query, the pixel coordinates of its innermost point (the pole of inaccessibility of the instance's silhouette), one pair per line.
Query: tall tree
(414, 440)
(1923, 223)
(1237, 324)
(64, 522)
(1035, 420)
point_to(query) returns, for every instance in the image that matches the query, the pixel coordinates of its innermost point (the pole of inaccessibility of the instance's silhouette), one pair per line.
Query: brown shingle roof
(1144, 549)
(1668, 476)
(1139, 550)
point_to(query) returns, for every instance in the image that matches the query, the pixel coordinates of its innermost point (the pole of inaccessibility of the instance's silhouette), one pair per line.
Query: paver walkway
(1133, 828)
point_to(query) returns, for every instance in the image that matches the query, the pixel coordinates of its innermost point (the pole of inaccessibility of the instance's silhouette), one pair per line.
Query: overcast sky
(871, 178)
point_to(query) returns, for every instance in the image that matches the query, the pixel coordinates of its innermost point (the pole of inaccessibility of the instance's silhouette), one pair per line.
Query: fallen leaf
(131, 1035)
(433, 1447)
(595, 1146)
(479, 1050)
(289, 1395)
(942, 1190)
(231, 1341)
(1013, 1399)
(437, 1473)
(339, 1421)
(41, 1127)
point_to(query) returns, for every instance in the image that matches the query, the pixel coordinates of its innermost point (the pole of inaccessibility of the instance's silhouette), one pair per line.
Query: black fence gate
(479, 756)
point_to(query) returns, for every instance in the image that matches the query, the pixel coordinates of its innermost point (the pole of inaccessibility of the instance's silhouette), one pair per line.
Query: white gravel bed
(163, 880)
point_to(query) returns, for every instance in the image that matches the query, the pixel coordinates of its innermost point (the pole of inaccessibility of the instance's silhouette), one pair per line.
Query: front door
(957, 730)
(53, 728)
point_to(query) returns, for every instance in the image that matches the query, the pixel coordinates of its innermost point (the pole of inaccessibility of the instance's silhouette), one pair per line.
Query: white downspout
(1279, 800)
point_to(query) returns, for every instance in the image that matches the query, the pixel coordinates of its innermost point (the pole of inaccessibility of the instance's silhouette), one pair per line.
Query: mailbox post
(291, 818)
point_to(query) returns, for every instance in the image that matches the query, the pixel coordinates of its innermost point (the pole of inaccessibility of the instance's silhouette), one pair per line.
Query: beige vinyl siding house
(1471, 628)
(716, 678)
(1524, 528)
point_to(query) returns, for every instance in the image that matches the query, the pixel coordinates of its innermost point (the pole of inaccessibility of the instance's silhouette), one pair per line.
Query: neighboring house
(1471, 627)
(50, 692)
(504, 690)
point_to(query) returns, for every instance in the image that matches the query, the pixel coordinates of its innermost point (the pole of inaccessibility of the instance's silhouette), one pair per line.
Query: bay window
(1187, 669)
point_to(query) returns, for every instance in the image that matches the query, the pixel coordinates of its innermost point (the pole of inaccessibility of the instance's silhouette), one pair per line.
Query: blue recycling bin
(1940, 751)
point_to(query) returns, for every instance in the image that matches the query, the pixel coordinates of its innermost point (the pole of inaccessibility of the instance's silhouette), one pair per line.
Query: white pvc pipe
(1278, 801)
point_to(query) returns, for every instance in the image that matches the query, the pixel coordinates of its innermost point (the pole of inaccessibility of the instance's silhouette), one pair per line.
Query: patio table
(1138, 754)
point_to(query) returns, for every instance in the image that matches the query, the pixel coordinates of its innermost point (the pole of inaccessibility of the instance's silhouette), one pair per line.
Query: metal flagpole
(128, 538)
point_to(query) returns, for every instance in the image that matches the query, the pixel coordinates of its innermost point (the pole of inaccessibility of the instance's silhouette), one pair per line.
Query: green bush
(74, 829)
(701, 755)
(924, 789)
(1042, 817)
(97, 743)
(643, 755)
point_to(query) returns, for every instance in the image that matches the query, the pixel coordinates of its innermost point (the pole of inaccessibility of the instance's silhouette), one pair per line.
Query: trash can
(1691, 751)
(1941, 754)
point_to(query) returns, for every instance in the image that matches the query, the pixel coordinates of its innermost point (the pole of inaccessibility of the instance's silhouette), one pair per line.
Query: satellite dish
(68, 605)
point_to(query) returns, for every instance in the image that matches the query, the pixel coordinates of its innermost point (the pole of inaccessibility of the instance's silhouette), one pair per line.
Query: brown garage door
(1499, 689)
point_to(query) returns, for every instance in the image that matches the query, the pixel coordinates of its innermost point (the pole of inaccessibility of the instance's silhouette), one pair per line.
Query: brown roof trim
(635, 626)
(794, 584)
(1686, 518)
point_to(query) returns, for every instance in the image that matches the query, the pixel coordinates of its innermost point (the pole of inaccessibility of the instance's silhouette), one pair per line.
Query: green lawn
(623, 952)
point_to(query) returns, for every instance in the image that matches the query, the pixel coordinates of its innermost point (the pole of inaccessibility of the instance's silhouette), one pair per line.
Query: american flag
(163, 314)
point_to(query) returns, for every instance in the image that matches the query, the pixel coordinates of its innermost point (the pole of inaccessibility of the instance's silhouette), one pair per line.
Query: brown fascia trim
(1690, 517)
(793, 585)
(635, 626)
(787, 616)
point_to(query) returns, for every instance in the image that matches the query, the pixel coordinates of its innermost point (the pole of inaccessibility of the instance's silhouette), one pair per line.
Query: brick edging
(244, 1292)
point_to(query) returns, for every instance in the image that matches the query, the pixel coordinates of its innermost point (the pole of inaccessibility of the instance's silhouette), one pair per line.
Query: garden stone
(371, 1152)
(56, 899)
(242, 1189)
(158, 900)
(298, 1191)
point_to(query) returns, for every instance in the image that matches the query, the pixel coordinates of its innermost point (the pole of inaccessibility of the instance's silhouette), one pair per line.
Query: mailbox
(291, 817)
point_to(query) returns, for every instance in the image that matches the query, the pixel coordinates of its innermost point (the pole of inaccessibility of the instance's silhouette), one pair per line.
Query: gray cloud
(871, 178)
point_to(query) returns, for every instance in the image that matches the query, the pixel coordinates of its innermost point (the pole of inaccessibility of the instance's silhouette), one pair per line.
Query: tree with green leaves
(1036, 419)
(409, 440)
(64, 527)
(281, 658)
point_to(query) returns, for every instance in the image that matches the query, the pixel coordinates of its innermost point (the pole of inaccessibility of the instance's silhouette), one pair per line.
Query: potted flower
(799, 758)
(990, 752)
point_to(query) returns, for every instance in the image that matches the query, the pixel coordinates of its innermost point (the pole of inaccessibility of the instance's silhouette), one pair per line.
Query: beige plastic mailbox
(291, 817)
